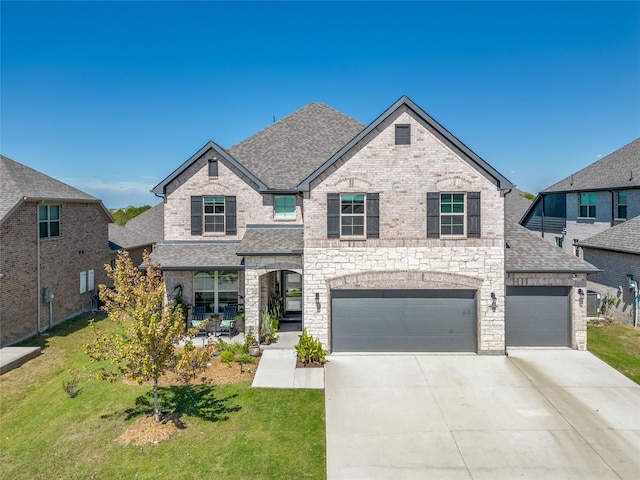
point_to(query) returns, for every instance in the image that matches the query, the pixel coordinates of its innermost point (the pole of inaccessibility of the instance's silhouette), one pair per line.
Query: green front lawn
(618, 345)
(233, 432)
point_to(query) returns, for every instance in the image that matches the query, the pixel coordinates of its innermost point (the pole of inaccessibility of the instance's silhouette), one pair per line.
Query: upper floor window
(353, 215)
(352, 211)
(622, 204)
(403, 134)
(49, 219)
(213, 214)
(284, 206)
(588, 205)
(452, 214)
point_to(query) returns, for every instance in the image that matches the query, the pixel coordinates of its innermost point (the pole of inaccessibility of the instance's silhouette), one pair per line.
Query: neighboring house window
(284, 206)
(353, 215)
(452, 214)
(214, 290)
(213, 214)
(403, 134)
(622, 204)
(559, 241)
(588, 205)
(49, 218)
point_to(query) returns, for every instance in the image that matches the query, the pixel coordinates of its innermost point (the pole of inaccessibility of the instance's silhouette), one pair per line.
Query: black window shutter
(403, 134)
(373, 215)
(433, 214)
(196, 215)
(333, 215)
(213, 168)
(231, 227)
(473, 214)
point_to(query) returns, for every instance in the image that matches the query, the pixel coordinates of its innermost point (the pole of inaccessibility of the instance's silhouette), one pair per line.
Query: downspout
(504, 259)
(613, 209)
(38, 267)
(542, 215)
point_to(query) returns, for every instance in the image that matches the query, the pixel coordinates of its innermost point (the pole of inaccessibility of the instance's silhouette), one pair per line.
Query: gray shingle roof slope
(19, 181)
(272, 240)
(613, 171)
(144, 229)
(285, 153)
(527, 252)
(197, 256)
(624, 237)
(516, 205)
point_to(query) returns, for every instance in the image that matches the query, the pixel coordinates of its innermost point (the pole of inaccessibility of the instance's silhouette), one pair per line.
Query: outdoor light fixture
(581, 292)
(493, 301)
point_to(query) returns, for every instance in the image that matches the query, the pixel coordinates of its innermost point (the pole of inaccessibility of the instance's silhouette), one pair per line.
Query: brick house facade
(68, 260)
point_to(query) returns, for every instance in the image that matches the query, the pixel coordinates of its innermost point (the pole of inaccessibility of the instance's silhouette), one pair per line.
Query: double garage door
(403, 321)
(537, 317)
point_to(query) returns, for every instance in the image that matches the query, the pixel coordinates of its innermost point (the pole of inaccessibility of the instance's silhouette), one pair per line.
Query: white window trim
(284, 217)
(462, 214)
(363, 215)
(205, 215)
(216, 289)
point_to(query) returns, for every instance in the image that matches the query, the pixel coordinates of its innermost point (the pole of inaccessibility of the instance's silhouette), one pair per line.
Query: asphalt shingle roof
(516, 205)
(20, 182)
(624, 237)
(285, 153)
(527, 252)
(197, 256)
(620, 169)
(272, 240)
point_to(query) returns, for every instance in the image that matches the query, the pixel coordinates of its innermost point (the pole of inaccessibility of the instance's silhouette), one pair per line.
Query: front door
(292, 293)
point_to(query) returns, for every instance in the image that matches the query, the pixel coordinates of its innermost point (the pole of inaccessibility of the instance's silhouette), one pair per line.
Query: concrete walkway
(536, 414)
(13, 357)
(277, 368)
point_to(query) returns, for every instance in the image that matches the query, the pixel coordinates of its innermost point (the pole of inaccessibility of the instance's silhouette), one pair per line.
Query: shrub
(227, 357)
(71, 388)
(245, 358)
(310, 350)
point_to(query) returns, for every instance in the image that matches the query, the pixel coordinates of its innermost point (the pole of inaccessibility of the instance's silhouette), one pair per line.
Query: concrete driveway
(536, 414)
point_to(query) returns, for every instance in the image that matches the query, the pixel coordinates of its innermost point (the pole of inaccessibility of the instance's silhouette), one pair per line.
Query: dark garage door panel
(403, 321)
(537, 317)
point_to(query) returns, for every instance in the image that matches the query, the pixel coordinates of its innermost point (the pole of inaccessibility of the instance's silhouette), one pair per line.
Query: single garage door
(537, 317)
(403, 321)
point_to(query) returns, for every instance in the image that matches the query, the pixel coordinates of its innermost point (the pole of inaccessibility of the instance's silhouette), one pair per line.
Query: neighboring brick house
(53, 239)
(594, 199)
(386, 237)
(140, 233)
(616, 252)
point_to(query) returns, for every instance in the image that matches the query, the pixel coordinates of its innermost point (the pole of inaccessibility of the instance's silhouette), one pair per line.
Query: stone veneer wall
(402, 175)
(578, 303)
(256, 285)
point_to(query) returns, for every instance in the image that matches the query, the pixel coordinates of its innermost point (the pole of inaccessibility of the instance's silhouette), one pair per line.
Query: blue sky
(111, 97)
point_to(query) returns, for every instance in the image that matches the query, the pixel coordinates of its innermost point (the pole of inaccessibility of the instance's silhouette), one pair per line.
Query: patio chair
(198, 319)
(228, 321)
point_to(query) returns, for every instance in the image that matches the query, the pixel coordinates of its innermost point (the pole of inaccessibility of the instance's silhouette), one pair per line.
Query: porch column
(252, 301)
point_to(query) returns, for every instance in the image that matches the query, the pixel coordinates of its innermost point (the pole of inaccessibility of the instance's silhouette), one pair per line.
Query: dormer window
(403, 134)
(284, 207)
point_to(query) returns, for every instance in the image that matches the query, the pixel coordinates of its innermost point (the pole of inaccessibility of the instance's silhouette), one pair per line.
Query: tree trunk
(156, 410)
